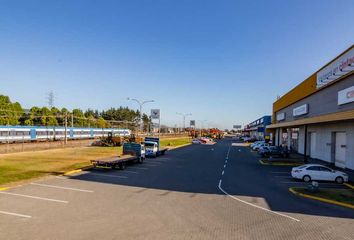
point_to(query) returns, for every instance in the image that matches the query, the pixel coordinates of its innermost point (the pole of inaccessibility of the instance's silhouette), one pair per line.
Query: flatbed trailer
(132, 153)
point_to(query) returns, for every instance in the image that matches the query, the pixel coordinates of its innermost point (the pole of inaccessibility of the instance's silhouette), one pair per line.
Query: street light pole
(184, 115)
(141, 103)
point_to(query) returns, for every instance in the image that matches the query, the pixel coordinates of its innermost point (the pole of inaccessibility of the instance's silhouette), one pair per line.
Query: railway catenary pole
(141, 103)
(66, 129)
(184, 115)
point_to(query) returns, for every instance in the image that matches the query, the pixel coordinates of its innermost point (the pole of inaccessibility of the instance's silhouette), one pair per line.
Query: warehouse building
(316, 118)
(257, 128)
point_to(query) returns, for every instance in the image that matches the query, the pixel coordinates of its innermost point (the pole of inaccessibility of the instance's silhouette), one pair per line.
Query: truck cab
(151, 148)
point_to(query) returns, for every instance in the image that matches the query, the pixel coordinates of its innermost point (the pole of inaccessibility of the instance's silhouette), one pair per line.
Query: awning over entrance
(338, 116)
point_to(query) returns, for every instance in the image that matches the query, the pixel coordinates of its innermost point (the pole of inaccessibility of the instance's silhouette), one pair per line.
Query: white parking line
(34, 197)
(107, 175)
(152, 164)
(61, 177)
(256, 206)
(153, 161)
(141, 168)
(251, 204)
(59, 187)
(15, 214)
(224, 165)
(222, 173)
(127, 171)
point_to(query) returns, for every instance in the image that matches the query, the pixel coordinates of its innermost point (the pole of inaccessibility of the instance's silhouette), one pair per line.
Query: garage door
(341, 141)
(313, 145)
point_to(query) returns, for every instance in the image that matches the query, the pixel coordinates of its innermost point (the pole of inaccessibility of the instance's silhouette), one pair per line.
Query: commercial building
(257, 128)
(316, 118)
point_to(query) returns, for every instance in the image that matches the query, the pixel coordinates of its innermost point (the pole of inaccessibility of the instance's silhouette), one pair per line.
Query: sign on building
(280, 116)
(237, 126)
(346, 96)
(155, 113)
(301, 110)
(336, 69)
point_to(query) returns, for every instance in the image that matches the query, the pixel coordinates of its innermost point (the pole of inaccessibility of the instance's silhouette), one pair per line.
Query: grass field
(174, 142)
(27, 165)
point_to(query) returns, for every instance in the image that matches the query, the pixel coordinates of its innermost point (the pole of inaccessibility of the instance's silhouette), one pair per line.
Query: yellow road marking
(292, 190)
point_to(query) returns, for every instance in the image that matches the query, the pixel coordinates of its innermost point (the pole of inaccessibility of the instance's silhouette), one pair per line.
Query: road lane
(177, 199)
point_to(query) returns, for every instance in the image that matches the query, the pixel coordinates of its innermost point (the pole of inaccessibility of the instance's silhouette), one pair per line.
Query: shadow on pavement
(197, 169)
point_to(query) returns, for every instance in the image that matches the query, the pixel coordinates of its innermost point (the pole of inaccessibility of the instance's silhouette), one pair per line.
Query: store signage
(294, 135)
(237, 126)
(336, 69)
(346, 96)
(280, 116)
(301, 110)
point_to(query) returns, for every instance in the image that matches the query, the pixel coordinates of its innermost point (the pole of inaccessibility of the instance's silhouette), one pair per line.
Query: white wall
(324, 140)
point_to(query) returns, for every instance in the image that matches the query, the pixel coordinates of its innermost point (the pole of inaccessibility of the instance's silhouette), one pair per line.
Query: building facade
(316, 118)
(257, 128)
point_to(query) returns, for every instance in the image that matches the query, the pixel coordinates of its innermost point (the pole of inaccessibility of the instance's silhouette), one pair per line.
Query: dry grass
(27, 165)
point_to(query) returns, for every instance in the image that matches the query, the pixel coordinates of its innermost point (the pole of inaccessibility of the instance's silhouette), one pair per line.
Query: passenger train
(35, 133)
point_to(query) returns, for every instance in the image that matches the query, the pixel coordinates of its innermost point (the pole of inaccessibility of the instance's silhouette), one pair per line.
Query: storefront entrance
(313, 144)
(340, 147)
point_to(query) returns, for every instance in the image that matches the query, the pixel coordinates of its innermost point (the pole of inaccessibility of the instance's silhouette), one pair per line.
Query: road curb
(279, 164)
(77, 170)
(349, 185)
(184, 145)
(293, 191)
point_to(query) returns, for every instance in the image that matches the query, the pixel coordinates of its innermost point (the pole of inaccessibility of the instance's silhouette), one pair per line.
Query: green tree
(10, 113)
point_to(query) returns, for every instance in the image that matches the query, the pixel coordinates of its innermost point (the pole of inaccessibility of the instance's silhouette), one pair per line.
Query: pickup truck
(132, 153)
(152, 147)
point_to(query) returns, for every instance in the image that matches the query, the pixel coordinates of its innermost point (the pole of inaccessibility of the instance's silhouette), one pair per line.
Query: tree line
(12, 113)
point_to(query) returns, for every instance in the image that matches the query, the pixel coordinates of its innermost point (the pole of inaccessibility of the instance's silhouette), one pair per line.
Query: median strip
(349, 185)
(330, 193)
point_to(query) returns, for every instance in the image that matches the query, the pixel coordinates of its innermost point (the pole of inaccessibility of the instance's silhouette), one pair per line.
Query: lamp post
(184, 115)
(201, 126)
(141, 103)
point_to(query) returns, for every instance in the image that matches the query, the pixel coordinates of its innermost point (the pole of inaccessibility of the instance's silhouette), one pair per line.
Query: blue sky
(222, 61)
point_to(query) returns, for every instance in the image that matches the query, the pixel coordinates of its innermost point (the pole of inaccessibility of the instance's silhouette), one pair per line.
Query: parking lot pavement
(177, 196)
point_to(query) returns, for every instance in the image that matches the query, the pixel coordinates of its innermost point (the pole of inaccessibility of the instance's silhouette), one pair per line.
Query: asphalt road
(197, 192)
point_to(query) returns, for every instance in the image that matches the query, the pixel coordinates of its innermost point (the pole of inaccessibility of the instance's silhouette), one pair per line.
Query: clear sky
(222, 61)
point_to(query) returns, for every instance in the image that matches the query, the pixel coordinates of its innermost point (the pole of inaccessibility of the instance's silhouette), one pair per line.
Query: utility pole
(50, 99)
(72, 120)
(141, 103)
(184, 115)
(66, 129)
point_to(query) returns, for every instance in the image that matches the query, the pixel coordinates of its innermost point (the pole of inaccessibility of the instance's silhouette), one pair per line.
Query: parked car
(256, 147)
(256, 142)
(309, 172)
(196, 141)
(246, 139)
(268, 151)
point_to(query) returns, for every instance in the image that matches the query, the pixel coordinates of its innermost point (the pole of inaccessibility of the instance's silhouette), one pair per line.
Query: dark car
(273, 151)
